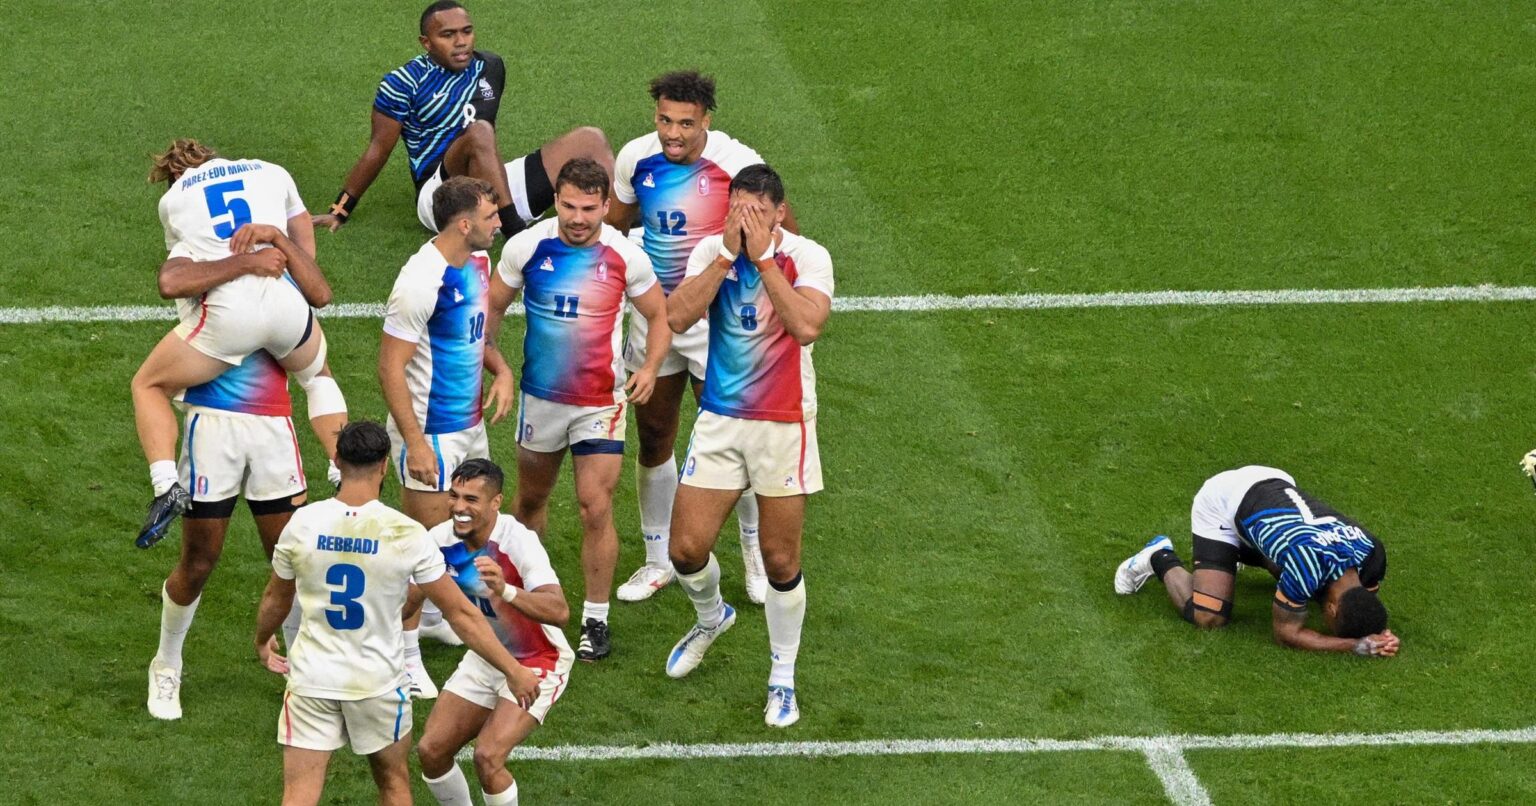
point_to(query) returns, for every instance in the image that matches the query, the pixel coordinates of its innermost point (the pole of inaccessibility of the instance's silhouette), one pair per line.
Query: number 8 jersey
(350, 566)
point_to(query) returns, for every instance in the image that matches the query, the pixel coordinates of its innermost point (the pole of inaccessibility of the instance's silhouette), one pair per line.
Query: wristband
(344, 205)
(508, 593)
(727, 253)
(768, 255)
(1365, 647)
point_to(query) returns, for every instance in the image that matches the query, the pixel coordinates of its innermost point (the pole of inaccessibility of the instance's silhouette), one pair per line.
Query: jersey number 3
(221, 203)
(351, 580)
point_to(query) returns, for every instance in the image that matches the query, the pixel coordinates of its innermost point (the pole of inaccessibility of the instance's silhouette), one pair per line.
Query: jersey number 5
(221, 203)
(351, 580)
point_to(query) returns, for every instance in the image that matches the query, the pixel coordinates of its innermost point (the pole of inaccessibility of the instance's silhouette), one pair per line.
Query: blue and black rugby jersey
(1312, 543)
(434, 104)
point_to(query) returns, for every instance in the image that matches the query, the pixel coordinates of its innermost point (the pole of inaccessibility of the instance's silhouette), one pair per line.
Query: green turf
(985, 471)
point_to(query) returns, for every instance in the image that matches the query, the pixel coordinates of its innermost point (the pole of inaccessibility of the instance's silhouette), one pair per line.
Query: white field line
(1163, 754)
(927, 302)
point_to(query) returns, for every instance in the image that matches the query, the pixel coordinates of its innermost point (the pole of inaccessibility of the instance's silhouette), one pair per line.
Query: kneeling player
(1257, 516)
(502, 567)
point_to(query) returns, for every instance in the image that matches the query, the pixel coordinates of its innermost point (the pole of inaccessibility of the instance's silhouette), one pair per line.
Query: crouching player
(501, 566)
(350, 560)
(1255, 515)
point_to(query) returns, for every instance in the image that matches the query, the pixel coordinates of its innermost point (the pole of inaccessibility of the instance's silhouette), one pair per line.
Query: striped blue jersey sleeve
(394, 96)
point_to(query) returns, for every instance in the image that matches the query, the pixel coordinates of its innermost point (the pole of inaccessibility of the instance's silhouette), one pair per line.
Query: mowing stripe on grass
(1164, 754)
(926, 302)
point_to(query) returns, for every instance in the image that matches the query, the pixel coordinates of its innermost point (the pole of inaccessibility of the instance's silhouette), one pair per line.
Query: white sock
(291, 626)
(703, 587)
(413, 646)
(594, 610)
(162, 475)
(786, 614)
(657, 487)
(507, 798)
(452, 789)
(430, 615)
(175, 620)
(746, 518)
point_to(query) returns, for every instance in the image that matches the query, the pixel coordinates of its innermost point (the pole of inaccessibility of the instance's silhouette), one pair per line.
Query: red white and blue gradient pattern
(574, 297)
(679, 206)
(257, 386)
(524, 638)
(754, 364)
(456, 337)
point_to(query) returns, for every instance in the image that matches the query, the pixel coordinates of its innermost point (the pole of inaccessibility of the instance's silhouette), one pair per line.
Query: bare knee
(435, 757)
(596, 512)
(590, 140)
(687, 553)
(479, 135)
(489, 761)
(781, 563)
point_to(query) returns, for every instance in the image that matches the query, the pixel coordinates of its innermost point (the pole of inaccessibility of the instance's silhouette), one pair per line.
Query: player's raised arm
(302, 267)
(544, 604)
(707, 266)
(384, 134)
(804, 311)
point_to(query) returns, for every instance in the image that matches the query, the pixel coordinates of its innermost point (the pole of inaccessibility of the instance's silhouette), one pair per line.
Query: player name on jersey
(352, 545)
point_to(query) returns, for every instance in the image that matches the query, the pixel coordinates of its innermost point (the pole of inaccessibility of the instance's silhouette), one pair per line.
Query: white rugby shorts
(314, 723)
(517, 182)
(225, 454)
(772, 459)
(477, 681)
(544, 426)
(1213, 515)
(449, 451)
(245, 315)
(689, 351)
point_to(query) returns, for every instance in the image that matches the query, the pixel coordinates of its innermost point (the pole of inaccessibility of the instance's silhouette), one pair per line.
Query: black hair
(361, 444)
(583, 174)
(440, 5)
(685, 87)
(760, 180)
(1360, 613)
(480, 469)
(459, 196)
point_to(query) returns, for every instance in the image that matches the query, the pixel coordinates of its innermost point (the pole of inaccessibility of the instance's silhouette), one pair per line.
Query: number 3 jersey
(524, 564)
(679, 204)
(442, 308)
(574, 297)
(350, 566)
(756, 370)
(206, 205)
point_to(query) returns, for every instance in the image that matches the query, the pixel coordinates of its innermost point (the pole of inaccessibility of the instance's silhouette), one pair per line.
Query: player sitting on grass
(1256, 516)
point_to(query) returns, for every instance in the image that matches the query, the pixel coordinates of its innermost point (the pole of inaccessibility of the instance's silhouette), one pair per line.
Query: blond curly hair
(183, 154)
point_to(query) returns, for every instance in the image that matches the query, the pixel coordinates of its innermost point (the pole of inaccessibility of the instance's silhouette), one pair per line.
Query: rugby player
(768, 294)
(675, 182)
(350, 560)
(574, 273)
(1255, 515)
(430, 360)
(502, 567)
(444, 102)
(240, 228)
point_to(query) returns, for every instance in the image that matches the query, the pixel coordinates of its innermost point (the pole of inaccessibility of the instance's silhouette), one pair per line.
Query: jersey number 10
(221, 203)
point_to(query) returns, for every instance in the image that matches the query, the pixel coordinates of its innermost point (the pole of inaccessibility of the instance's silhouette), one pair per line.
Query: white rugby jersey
(205, 206)
(351, 566)
(679, 204)
(442, 308)
(524, 564)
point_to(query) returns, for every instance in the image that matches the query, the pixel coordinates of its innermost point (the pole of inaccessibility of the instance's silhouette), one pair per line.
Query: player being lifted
(675, 181)
(1256, 516)
(431, 357)
(574, 273)
(768, 293)
(349, 561)
(502, 567)
(244, 226)
(444, 102)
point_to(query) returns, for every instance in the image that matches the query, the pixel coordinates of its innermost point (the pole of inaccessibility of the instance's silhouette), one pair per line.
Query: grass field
(985, 470)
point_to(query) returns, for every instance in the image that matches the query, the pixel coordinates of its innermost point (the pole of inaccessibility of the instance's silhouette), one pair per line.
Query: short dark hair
(583, 174)
(480, 469)
(1360, 613)
(440, 5)
(459, 196)
(361, 444)
(760, 180)
(685, 87)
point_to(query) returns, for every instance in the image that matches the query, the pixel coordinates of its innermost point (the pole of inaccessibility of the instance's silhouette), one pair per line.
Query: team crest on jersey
(486, 93)
(602, 271)
(704, 185)
(789, 482)
(202, 485)
(649, 181)
(547, 265)
(458, 296)
(692, 465)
